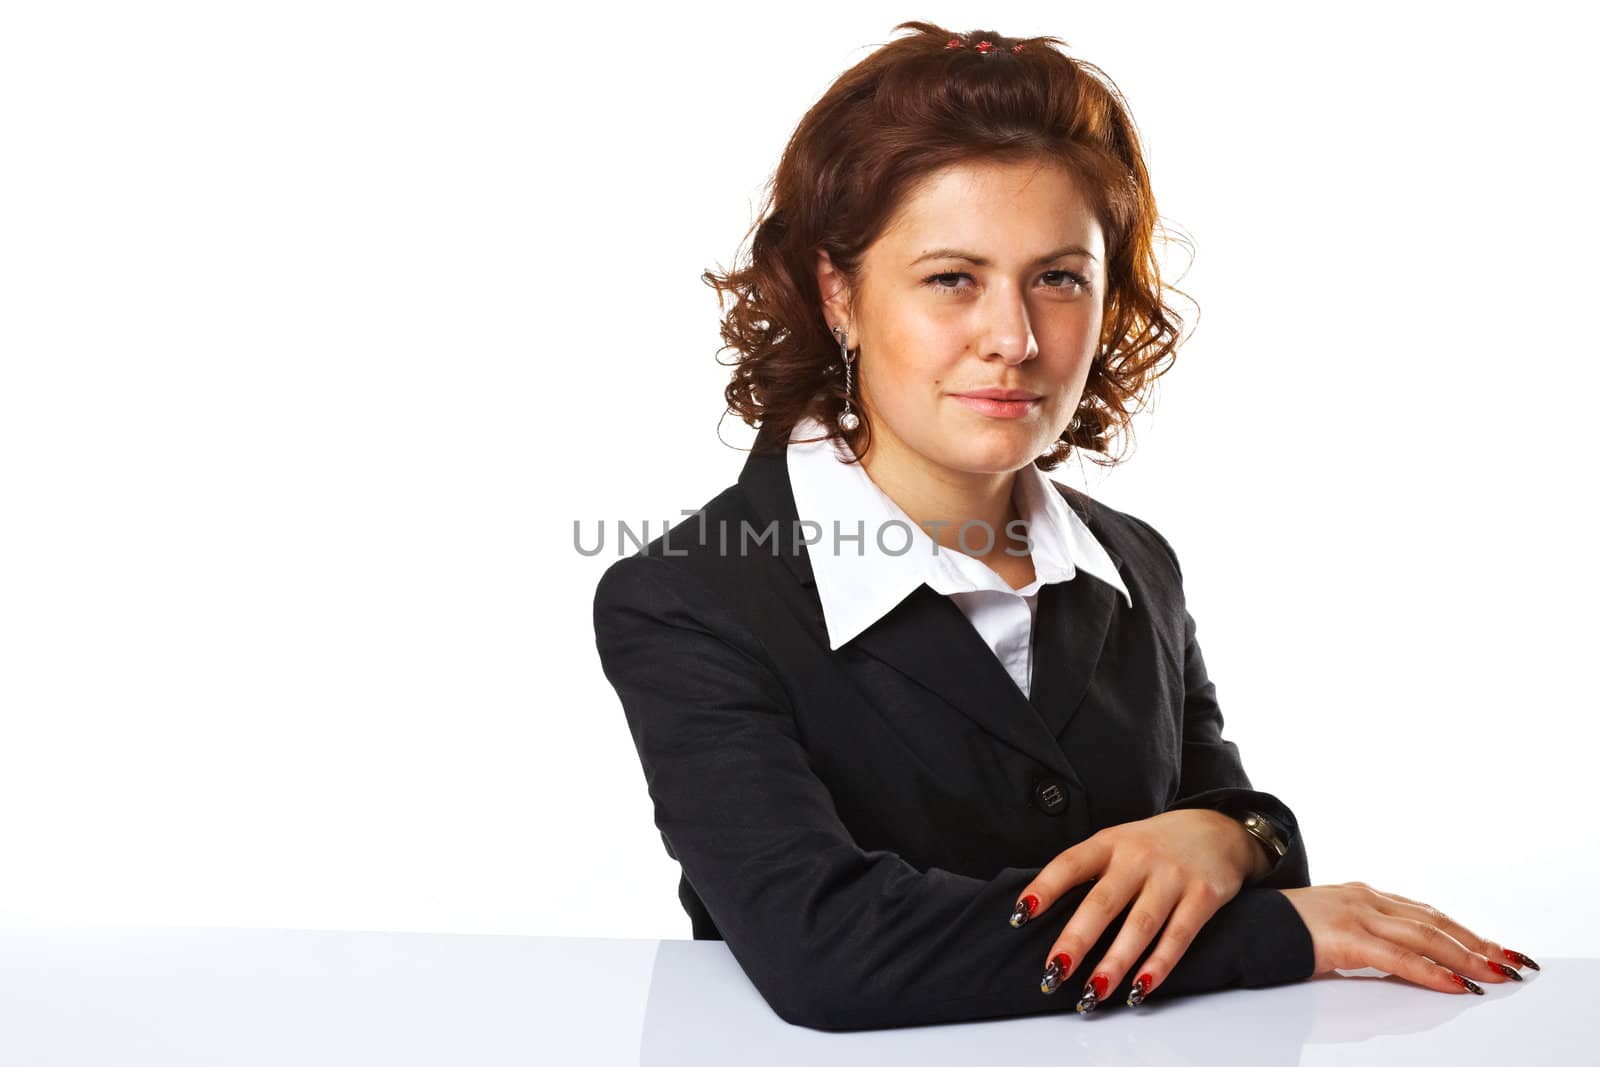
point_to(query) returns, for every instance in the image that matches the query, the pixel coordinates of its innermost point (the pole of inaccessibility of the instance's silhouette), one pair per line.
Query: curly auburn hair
(916, 105)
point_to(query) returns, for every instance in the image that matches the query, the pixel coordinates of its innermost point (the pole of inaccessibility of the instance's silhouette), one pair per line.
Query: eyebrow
(977, 260)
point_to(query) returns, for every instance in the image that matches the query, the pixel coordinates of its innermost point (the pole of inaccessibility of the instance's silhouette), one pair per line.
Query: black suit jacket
(858, 824)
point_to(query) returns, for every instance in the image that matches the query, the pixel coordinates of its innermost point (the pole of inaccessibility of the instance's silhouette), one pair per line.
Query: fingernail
(1025, 908)
(1093, 990)
(1500, 968)
(1466, 983)
(1060, 966)
(1140, 990)
(1519, 959)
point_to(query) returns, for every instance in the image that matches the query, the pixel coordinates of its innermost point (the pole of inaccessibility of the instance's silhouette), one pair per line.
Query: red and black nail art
(1500, 968)
(1519, 959)
(1060, 966)
(1025, 909)
(1140, 990)
(1466, 983)
(1094, 991)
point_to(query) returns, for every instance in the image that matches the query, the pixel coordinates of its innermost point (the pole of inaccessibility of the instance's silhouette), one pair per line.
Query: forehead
(996, 202)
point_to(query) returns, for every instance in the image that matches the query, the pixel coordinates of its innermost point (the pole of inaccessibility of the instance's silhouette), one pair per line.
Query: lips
(996, 393)
(999, 408)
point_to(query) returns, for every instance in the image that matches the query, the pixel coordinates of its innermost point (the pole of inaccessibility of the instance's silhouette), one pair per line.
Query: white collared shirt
(859, 580)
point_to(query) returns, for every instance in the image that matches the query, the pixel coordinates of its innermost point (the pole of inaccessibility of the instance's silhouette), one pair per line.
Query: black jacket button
(1049, 797)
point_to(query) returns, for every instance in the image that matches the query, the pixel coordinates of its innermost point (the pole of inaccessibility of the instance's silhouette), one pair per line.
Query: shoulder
(1131, 538)
(697, 571)
(682, 549)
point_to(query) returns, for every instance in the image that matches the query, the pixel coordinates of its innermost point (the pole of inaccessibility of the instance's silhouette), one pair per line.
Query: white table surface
(174, 996)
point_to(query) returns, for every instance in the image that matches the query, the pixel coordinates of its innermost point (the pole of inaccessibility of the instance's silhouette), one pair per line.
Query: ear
(835, 293)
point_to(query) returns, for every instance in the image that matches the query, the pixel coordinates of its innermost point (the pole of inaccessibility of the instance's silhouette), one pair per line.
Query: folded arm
(834, 936)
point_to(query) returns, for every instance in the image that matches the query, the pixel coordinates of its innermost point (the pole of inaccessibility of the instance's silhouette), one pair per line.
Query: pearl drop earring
(847, 421)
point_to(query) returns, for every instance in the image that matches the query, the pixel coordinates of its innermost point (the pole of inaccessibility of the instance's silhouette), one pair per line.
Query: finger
(1156, 905)
(1193, 910)
(1422, 953)
(1495, 952)
(1089, 920)
(1076, 865)
(1429, 931)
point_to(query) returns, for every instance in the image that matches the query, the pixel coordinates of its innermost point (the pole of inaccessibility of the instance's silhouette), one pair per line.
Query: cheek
(918, 333)
(1074, 349)
(1078, 328)
(908, 370)
(1068, 368)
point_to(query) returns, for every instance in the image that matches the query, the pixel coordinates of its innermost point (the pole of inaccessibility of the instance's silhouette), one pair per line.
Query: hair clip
(981, 46)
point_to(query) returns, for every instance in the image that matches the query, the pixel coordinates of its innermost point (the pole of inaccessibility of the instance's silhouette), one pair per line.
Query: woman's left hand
(1185, 864)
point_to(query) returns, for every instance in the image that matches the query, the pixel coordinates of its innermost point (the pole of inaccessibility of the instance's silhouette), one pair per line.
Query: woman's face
(989, 277)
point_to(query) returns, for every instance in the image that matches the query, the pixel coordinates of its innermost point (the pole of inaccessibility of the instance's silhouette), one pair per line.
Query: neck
(940, 499)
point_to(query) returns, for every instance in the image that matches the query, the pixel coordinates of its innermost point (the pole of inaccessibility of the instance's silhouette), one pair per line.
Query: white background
(322, 323)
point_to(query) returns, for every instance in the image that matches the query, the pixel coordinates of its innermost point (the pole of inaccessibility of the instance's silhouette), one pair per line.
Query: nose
(1010, 328)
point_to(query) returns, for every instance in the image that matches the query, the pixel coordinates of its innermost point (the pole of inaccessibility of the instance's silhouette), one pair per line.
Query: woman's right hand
(1353, 925)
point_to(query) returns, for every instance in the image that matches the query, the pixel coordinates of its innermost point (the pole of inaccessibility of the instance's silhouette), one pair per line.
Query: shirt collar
(861, 578)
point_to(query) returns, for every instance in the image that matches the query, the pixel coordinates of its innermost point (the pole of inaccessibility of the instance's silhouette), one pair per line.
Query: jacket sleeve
(834, 936)
(1213, 775)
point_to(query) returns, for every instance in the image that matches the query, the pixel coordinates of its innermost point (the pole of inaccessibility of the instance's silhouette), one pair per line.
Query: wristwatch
(1260, 827)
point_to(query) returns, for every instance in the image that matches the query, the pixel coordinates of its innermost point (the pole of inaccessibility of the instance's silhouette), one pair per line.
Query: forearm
(1244, 851)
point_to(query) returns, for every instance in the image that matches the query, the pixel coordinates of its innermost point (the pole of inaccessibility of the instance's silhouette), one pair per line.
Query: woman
(918, 722)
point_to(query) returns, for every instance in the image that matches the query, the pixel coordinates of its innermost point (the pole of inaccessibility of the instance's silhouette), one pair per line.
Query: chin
(995, 457)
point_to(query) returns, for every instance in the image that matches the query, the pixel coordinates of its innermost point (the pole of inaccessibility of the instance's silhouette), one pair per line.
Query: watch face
(1265, 832)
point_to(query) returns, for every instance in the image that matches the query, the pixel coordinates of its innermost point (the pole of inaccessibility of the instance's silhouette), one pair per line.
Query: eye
(934, 280)
(1068, 281)
(1071, 276)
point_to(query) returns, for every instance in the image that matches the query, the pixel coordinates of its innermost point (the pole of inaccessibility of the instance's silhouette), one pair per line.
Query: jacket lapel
(1069, 636)
(930, 641)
